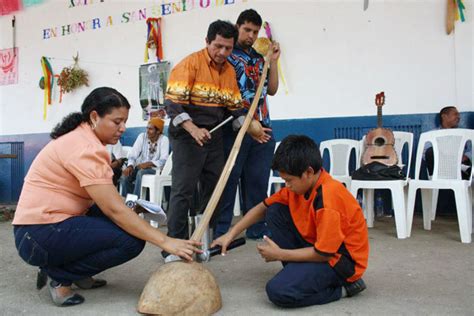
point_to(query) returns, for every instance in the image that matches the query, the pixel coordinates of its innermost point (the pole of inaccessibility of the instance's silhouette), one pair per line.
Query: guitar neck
(379, 116)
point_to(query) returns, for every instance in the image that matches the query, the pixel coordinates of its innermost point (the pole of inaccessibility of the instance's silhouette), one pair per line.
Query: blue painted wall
(317, 128)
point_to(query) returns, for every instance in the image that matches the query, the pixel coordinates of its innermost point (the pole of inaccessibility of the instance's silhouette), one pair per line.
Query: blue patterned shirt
(248, 68)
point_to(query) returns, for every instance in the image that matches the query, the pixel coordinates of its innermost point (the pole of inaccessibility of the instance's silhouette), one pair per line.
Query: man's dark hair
(251, 16)
(296, 154)
(222, 28)
(445, 110)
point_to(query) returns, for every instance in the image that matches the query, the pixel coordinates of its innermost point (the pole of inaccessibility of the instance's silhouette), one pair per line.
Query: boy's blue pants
(298, 284)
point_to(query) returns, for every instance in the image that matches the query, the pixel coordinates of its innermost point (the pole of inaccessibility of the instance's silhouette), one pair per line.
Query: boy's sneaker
(355, 288)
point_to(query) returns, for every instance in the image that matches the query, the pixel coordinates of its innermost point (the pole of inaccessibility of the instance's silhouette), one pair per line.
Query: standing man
(201, 92)
(252, 167)
(148, 154)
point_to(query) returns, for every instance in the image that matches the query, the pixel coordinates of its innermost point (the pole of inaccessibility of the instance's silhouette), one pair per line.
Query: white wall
(335, 56)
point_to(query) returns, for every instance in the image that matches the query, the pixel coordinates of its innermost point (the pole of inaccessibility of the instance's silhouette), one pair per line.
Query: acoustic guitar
(379, 142)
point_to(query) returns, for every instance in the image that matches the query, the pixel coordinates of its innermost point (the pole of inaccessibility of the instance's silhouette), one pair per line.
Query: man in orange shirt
(318, 231)
(202, 91)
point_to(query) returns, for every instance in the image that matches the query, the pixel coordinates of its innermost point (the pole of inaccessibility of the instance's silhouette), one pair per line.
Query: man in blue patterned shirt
(252, 167)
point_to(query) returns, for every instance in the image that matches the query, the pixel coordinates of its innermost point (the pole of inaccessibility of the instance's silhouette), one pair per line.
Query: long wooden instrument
(216, 194)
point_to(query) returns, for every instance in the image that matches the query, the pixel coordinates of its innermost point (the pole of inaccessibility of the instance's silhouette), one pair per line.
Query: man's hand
(259, 133)
(145, 165)
(275, 51)
(224, 242)
(269, 250)
(127, 171)
(182, 248)
(200, 135)
(264, 136)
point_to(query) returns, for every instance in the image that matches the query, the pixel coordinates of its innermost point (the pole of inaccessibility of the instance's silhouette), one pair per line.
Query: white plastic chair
(448, 149)
(397, 187)
(157, 182)
(237, 207)
(126, 150)
(273, 179)
(339, 151)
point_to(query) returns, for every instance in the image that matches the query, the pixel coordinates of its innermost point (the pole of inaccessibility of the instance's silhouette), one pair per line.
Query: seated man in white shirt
(449, 118)
(147, 156)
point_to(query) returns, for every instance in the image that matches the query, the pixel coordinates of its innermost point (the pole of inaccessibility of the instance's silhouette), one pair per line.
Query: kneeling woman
(70, 220)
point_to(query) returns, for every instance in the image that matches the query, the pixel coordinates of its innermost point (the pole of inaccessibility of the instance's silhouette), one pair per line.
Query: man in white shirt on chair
(147, 156)
(449, 118)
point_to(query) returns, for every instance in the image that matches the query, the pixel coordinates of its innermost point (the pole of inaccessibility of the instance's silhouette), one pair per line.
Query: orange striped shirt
(197, 87)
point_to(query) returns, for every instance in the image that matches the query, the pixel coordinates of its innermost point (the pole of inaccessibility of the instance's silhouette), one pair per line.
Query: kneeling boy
(317, 227)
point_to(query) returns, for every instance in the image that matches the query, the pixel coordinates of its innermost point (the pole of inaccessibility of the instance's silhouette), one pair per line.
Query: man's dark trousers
(192, 164)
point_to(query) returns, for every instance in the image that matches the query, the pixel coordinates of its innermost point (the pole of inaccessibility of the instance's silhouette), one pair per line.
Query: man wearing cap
(147, 156)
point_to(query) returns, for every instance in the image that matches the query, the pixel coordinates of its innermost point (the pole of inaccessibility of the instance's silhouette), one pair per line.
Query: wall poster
(153, 79)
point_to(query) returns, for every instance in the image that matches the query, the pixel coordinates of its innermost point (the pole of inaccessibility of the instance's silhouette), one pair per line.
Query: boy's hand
(269, 250)
(224, 242)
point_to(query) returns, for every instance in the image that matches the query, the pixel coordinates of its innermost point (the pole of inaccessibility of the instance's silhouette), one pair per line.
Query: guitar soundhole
(379, 141)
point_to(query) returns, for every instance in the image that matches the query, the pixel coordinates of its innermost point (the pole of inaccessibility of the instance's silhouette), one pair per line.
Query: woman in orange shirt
(70, 221)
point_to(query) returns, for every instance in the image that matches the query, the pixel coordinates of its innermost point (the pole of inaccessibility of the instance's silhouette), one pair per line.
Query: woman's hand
(182, 248)
(224, 242)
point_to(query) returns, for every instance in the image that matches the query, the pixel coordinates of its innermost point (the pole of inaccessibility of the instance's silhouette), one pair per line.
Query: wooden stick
(212, 204)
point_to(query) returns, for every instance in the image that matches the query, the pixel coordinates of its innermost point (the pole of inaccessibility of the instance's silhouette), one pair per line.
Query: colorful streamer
(460, 11)
(268, 32)
(153, 38)
(48, 79)
(9, 6)
(29, 3)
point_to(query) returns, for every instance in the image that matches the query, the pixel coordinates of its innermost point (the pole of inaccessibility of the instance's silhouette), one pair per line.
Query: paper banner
(9, 6)
(8, 66)
(29, 3)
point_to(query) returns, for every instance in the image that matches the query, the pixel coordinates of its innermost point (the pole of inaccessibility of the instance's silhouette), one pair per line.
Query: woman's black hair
(102, 100)
(296, 154)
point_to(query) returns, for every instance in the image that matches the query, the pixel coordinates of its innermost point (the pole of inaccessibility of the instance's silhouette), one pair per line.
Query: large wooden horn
(180, 288)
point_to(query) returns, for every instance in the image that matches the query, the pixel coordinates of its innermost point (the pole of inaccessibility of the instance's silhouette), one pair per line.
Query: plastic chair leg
(399, 210)
(369, 205)
(434, 203)
(237, 203)
(426, 199)
(465, 225)
(410, 207)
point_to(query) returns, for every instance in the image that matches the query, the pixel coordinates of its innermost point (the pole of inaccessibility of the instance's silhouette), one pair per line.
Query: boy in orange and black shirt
(318, 231)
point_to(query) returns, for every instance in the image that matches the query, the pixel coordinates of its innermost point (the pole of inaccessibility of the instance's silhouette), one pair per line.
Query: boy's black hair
(251, 16)
(222, 28)
(296, 154)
